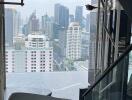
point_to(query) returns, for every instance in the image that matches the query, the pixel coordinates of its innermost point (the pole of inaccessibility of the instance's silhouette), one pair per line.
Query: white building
(73, 41)
(19, 41)
(36, 40)
(37, 56)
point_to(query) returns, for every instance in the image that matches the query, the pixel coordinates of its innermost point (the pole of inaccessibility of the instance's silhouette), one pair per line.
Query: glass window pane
(47, 46)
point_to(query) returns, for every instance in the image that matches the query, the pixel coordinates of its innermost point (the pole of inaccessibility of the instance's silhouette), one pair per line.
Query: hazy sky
(43, 6)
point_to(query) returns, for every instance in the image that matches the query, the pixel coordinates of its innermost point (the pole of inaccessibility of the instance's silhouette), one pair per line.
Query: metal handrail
(129, 48)
(13, 3)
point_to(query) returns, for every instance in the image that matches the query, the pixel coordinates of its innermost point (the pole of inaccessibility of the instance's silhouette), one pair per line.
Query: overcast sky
(43, 6)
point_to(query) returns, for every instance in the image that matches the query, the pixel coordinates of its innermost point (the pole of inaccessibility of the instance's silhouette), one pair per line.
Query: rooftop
(61, 84)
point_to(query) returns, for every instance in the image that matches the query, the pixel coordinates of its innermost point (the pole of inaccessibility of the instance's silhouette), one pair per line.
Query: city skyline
(65, 32)
(43, 7)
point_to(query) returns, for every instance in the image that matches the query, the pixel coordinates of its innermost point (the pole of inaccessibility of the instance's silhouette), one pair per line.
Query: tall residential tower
(79, 15)
(11, 25)
(73, 41)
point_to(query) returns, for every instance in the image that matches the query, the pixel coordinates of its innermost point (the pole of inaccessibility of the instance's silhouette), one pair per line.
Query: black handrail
(129, 48)
(13, 3)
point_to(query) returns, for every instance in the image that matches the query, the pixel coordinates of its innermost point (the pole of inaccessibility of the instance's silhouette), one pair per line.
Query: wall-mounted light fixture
(90, 7)
(13, 3)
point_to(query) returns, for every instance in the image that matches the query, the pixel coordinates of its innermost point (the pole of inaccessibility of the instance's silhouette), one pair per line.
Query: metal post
(2, 53)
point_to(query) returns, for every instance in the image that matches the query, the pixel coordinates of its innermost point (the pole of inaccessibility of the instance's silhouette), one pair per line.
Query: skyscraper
(71, 18)
(92, 45)
(61, 15)
(25, 29)
(73, 41)
(11, 25)
(79, 15)
(45, 20)
(85, 45)
(47, 26)
(62, 43)
(33, 23)
(88, 22)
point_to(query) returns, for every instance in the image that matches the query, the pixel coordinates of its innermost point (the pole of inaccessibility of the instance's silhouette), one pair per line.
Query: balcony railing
(115, 83)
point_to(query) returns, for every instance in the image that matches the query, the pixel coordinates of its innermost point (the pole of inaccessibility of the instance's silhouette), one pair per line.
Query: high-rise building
(92, 45)
(18, 23)
(61, 14)
(73, 41)
(79, 15)
(87, 23)
(37, 56)
(19, 41)
(71, 18)
(85, 45)
(47, 26)
(11, 25)
(36, 40)
(62, 43)
(56, 30)
(33, 23)
(45, 20)
(25, 29)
